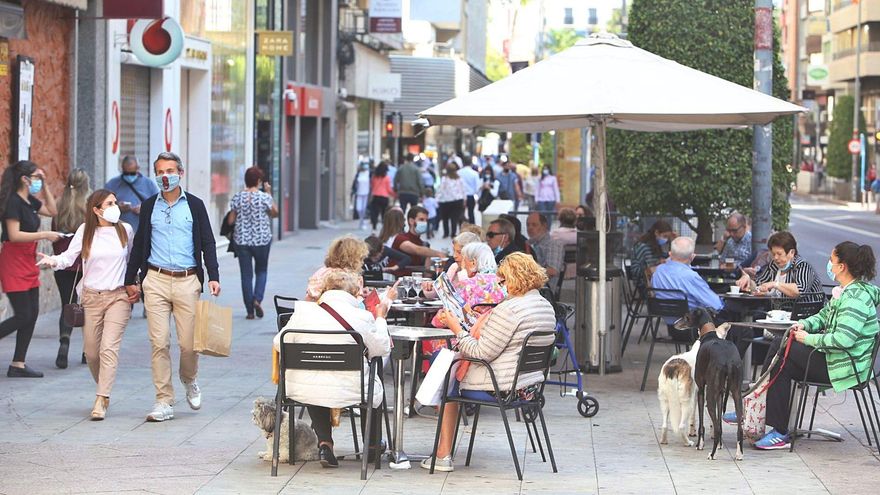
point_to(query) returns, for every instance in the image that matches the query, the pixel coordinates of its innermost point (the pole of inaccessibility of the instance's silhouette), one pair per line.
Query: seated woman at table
(847, 323)
(647, 252)
(324, 390)
(788, 275)
(481, 285)
(346, 253)
(393, 223)
(499, 343)
(454, 265)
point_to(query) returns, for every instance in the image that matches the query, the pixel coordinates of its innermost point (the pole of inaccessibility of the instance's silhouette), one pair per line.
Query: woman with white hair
(481, 285)
(455, 272)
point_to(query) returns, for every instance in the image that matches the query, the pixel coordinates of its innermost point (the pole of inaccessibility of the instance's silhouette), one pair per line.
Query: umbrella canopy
(604, 77)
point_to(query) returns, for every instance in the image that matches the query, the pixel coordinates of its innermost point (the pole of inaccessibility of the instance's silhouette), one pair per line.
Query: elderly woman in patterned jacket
(252, 211)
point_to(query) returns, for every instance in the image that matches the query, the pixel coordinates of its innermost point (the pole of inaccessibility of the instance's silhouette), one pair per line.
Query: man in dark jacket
(173, 238)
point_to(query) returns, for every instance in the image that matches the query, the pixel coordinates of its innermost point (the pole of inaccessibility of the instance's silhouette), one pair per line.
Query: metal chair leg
(547, 439)
(790, 405)
(813, 415)
(276, 436)
(862, 416)
(302, 411)
(437, 435)
(290, 446)
(467, 461)
(457, 424)
(870, 419)
(648, 360)
(534, 425)
(354, 435)
(510, 442)
(876, 416)
(531, 440)
(414, 379)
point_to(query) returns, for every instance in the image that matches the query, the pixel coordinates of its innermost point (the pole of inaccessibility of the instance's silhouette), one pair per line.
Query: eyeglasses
(492, 235)
(735, 229)
(167, 212)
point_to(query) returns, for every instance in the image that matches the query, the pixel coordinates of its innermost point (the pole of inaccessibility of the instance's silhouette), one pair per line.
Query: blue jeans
(253, 259)
(546, 207)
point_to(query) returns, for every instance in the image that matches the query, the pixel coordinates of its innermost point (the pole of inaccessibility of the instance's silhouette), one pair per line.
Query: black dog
(717, 374)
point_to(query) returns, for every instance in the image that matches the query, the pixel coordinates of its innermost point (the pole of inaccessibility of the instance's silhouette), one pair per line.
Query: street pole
(856, 105)
(397, 133)
(762, 141)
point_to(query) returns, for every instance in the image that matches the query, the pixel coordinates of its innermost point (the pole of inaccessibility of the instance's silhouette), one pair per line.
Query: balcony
(873, 46)
(843, 64)
(847, 16)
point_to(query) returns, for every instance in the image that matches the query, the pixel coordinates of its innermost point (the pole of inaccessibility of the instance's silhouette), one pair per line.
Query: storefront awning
(77, 4)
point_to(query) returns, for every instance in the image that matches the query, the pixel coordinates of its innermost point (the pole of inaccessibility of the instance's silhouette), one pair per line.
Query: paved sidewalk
(48, 446)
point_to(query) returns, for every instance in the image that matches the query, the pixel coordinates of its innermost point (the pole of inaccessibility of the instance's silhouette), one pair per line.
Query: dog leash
(788, 341)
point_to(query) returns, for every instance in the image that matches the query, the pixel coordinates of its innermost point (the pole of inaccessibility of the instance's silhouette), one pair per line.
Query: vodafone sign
(156, 42)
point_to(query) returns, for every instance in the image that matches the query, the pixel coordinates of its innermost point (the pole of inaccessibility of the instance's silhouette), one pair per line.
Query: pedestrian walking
(167, 255)
(103, 242)
(381, 193)
(530, 186)
(509, 186)
(408, 183)
(430, 203)
(252, 213)
(471, 179)
(360, 191)
(131, 189)
(71, 214)
(20, 211)
(451, 196)
(547, 193)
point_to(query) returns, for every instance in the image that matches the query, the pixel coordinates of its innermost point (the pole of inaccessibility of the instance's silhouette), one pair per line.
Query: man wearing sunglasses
(737, 241)
(173, 238)
(499, 237)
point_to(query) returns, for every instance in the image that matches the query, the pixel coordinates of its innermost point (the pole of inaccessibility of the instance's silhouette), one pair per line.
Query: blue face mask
(497, 250)
(787, 267)
(167, 183)
(129, 178)
(36, 186)
(421, 227)
(662, 241)
(828, 271)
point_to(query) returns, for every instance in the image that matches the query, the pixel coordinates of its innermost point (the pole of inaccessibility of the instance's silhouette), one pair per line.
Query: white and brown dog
(304, 438)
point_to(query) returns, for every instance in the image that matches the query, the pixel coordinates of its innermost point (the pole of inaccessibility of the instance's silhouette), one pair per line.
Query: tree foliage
(703, 173)
(839, 158)
(497, 67)
(521, 148)
(560, 39)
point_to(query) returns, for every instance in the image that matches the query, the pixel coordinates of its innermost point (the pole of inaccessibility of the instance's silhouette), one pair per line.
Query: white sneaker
(161, 412)
(443, 464)
(193, 395)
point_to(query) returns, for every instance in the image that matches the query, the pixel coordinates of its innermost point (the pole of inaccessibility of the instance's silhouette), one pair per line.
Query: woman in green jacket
(848, 322)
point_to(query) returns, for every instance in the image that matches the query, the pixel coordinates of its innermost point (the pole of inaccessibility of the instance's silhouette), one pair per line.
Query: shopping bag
(431, 390)
(213, 333)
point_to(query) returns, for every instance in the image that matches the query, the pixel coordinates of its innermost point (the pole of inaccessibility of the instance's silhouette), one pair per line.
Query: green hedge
(839, 158)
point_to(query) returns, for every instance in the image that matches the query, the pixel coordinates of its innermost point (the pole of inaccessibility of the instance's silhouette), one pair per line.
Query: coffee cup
(734, 289)
(778, 315)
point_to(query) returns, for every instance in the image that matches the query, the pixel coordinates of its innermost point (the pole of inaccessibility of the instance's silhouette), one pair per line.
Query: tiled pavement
(48, 446)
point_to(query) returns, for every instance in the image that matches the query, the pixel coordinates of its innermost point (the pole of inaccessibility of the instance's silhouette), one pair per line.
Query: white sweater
(108, 258)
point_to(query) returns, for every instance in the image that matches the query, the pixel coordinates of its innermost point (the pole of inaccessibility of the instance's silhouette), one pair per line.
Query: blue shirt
(119, 187)
(172, 239)
(471, 179)
(679, 276)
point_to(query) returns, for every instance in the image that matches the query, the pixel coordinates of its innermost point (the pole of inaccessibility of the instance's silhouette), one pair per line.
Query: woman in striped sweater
(847, 322)
(788, 275)
(499, 343)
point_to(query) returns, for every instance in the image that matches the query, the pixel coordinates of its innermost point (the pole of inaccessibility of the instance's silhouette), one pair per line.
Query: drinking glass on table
(417, 283)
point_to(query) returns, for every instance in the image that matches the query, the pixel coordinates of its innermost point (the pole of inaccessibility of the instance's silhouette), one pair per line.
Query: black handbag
(72, 313)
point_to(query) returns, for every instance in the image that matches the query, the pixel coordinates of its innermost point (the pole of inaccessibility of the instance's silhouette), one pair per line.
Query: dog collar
(709, 336)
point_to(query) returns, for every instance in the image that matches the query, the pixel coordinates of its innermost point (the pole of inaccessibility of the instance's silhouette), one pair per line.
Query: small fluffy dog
(304, 438)
(678, 394)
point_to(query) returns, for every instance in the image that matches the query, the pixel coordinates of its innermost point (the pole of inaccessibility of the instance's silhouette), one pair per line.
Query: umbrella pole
(602, 227)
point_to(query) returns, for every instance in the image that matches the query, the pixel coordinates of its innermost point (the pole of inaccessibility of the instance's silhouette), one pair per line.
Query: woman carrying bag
(104, 244)
(71, 214)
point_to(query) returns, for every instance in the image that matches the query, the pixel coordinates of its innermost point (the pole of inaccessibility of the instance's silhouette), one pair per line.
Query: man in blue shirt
(737, 241)
(677, 274)
(472, 184)
(173, 237)
(131, 190)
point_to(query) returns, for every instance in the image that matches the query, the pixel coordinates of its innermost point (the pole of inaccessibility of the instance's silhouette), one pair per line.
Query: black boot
(84, 358)
(61, 360)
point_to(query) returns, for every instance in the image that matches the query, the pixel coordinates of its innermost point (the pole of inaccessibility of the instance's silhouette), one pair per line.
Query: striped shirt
(643, 257)
(801, 274)
(501, 340)
(848, 322)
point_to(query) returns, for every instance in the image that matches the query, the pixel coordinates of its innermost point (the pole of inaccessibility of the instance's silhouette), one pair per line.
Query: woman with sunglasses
(20, 211)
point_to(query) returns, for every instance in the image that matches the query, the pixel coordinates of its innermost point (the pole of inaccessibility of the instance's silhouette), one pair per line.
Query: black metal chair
(284, 306)
(673, 304)
(634, 295)
(327, 357)
(533, 357)
(857, 390)
(569, 257)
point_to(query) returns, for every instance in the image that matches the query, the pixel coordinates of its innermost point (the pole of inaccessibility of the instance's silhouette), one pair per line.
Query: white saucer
(775, 322)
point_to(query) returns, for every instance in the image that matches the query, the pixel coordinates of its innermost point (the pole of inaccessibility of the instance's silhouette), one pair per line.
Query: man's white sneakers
(193, 395)
(161, 412)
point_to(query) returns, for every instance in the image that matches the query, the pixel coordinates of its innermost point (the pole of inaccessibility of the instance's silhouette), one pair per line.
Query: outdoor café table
(750, 302)
(405, 338)
(417, 314)
(777, 329)
(378, 283)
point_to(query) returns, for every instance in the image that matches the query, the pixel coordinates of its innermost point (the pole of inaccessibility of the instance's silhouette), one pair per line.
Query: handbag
(213, 331)
(73, 314)
(430, 392)
(755, 400)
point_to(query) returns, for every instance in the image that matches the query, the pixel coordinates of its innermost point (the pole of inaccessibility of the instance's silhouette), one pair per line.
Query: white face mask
(111, 214)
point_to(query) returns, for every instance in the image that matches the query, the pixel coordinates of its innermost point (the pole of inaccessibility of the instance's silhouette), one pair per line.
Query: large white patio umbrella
(605, 81)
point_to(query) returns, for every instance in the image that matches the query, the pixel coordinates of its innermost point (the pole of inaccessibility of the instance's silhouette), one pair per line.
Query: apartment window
(592, 17)
(569, 16)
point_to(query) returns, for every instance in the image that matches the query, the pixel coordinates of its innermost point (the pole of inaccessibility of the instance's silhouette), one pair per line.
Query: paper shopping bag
(213, 334)
(431, 390)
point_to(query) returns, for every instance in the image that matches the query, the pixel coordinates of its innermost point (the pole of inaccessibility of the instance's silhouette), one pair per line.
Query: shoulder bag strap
(73, 289)
(789, 338)
(135, 191)
(326, 307)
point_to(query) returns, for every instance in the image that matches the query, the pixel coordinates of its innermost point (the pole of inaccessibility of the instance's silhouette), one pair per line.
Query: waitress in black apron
(20, 212)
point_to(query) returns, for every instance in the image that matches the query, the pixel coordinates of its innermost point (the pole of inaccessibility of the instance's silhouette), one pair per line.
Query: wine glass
(417, 283)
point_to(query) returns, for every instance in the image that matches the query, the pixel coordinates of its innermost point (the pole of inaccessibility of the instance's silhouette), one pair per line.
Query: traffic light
(389, 126)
